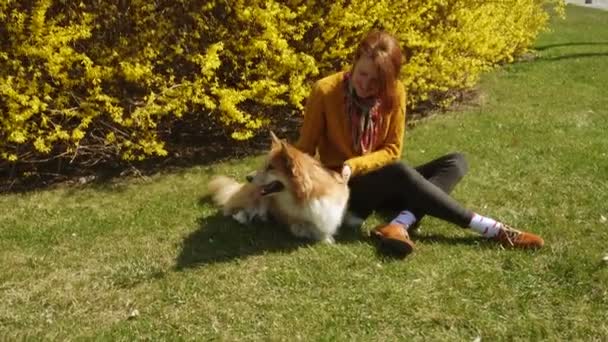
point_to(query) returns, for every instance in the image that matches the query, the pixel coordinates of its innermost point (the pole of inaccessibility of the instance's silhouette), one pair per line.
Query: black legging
(423, 190)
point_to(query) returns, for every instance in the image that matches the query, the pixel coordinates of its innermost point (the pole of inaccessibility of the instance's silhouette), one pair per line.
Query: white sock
(485, 226)
(405, 218)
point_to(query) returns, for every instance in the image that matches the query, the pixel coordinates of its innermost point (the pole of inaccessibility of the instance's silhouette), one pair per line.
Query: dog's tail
(222, 188)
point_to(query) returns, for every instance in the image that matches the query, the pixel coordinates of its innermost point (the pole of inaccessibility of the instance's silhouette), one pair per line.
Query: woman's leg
(425, 191)
(398, 187)
(445, 172)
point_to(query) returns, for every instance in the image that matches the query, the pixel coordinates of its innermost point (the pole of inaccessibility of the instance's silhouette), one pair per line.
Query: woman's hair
(385, 52)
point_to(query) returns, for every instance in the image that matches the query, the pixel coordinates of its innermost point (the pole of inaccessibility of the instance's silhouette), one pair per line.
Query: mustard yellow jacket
(326, 129)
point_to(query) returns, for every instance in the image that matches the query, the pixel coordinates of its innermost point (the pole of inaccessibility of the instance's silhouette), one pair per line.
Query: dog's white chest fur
(317, 218)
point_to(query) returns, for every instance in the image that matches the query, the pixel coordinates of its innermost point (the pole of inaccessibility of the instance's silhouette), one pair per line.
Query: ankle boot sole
(394, 247)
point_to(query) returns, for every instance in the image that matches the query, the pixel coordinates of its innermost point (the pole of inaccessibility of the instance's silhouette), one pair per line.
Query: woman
(355, 120)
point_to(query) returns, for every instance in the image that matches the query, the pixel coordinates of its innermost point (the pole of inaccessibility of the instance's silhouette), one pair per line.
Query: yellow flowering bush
(98, 80)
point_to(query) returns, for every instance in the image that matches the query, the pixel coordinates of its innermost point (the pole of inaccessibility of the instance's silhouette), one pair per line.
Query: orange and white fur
(292, 187)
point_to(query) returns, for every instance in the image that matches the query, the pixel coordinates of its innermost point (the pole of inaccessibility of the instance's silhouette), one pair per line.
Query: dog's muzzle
(271, 188)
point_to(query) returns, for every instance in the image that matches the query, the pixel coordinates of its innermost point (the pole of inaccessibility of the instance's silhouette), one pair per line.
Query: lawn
(147, 258)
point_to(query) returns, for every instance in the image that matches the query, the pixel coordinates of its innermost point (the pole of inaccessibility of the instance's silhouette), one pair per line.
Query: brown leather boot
(393, 238)
(511, 237)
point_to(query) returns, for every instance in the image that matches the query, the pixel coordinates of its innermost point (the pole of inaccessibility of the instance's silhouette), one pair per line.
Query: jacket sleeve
(391, 149)
(313, 127)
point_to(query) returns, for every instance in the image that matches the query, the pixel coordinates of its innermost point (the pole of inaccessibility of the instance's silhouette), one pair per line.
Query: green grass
(76, 261)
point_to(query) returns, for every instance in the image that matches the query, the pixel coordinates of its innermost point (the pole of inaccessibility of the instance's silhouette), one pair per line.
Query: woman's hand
(346, 173)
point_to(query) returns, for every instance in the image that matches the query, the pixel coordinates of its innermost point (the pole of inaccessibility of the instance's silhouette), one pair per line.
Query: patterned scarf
(364, 117)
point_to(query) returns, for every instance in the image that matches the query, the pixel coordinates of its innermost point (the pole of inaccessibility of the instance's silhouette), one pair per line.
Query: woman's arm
(313, 126)
(391, 149)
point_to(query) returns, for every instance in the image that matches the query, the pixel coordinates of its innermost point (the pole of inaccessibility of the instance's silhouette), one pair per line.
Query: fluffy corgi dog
(293, 188)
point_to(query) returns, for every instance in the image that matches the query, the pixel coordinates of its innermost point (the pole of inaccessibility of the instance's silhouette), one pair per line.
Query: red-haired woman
(355, 120)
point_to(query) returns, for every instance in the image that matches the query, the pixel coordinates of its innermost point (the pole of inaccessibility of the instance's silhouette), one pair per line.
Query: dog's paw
(301, 230)
(261, 212)
(262, 217)
(310, 232)
(241, 217)
(328, 240)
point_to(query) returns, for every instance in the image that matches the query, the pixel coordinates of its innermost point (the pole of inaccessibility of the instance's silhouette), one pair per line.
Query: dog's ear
(284, 146)
(286, 154)
(302, 183)
(276, 142)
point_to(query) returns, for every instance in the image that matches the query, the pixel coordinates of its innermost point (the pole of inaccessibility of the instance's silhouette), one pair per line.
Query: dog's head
(283, 170)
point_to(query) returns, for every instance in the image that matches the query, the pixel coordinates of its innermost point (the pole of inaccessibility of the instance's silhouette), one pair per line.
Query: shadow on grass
(221, 239)
(573, 56)
(451, 240)
(551, 46)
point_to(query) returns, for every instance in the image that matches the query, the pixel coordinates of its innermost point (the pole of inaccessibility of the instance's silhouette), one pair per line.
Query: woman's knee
(459, 163)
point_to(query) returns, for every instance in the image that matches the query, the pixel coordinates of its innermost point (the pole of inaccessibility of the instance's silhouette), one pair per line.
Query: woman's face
(365, 78)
